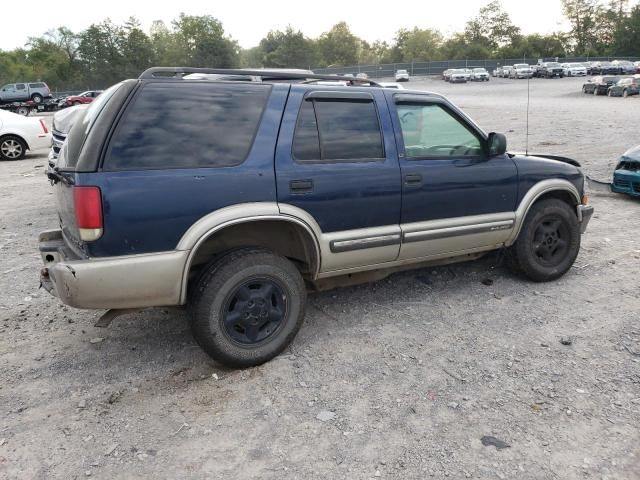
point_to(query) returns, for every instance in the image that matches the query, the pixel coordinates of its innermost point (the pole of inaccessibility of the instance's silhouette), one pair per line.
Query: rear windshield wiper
(56, 175)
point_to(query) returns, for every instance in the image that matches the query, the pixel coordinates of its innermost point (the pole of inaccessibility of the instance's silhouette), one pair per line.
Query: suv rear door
(454, 196)
(336, 161)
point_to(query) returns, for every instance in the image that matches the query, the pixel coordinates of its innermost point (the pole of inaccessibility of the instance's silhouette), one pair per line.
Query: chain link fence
(439, 66)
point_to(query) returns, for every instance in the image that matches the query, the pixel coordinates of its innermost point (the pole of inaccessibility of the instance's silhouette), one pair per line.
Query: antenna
(526, 150)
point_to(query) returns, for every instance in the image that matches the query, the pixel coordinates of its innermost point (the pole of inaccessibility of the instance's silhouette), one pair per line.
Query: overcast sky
(248, 22)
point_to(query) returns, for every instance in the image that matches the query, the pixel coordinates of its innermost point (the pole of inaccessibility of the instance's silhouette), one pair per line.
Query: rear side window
(188, 125)
(36, 85)
(337, 130)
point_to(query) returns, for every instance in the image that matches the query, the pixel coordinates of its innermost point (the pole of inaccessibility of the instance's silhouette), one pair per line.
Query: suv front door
(337, 167)
(456, 197)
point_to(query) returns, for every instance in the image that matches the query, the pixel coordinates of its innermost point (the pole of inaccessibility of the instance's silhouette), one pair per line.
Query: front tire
(12, 148)
(247, 307)
(548, 243)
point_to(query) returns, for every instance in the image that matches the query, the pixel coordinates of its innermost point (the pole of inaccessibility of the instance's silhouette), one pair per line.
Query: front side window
(431, 131)
(330, 130)
(187, 125)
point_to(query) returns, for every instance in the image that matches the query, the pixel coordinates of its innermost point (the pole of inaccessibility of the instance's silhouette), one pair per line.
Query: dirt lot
(397, 379)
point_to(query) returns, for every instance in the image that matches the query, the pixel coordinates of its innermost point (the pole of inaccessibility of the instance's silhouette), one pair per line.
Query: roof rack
(265, 74)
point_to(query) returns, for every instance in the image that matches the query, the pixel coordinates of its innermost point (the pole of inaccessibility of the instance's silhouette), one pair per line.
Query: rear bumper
(132, 281)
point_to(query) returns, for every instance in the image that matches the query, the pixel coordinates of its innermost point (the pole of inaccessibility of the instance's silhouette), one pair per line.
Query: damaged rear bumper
(131, 281)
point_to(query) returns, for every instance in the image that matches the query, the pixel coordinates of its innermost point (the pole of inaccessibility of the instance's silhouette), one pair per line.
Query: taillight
(44, 126)
(88, 207)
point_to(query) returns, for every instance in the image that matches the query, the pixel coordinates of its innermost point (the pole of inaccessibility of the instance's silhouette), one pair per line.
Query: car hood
(557, 158)
(631, 155)
(64, 119)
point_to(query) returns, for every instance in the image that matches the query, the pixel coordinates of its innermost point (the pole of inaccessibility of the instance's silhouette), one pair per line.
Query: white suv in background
(521, 70)
(402, 76)
(574, 70)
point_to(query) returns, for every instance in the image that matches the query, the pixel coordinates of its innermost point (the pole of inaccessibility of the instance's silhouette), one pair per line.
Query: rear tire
(37, 98)
(12, 148)
(247, 307)
(548, 243)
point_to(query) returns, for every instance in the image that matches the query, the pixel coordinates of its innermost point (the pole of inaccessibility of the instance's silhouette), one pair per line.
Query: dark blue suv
(234, 192)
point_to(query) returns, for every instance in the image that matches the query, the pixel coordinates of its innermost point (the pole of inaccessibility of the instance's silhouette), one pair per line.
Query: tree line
(106, 53)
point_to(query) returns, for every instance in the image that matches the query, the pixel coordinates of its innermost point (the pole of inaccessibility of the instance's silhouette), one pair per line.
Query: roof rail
(179, 72)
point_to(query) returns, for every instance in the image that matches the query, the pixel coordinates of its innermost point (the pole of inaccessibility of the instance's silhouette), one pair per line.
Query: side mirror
(497, 144)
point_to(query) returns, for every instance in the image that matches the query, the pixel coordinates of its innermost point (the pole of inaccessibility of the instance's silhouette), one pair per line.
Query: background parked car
(479, 74)
(19, 134)
(497, 72)
(625, 67)
(84, 97)
(402, 76)
(625, 88)
(521, 70)
(458, 75)
(506, 71)
(550, 70)
(446, 75)
(574, 70)
(21, 92)
(599, 85)
(604, 68)
(63, 120)
(637, 64)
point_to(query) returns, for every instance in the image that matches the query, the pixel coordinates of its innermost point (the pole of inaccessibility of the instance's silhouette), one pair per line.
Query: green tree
(418, 44)
(585, 17)
(339, 46)
(491, 28)
(137, 49)
(100, 52)
(203, 40)
(289, 49)
(626, 36)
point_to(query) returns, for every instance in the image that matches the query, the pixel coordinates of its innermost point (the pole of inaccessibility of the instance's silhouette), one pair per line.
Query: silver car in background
(62, 123)
(521, 70)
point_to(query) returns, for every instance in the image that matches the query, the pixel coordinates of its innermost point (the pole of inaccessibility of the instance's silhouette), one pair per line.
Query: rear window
(187, 125)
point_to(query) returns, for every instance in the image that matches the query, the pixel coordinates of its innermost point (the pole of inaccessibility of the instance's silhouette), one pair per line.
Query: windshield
(479, 70)
(521, 65)
(553, 64)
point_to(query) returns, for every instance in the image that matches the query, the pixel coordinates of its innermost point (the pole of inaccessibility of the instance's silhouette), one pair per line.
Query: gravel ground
(398, 379)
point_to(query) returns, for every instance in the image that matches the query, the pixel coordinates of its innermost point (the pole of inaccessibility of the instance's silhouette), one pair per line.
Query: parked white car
(521, 70)
(506, 71)
(479, 74)
(19, 134)
(402, 76)
(458, 75)
(574, 70)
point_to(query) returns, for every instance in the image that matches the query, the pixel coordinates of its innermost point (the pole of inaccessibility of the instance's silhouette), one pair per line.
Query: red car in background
(84, 97)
